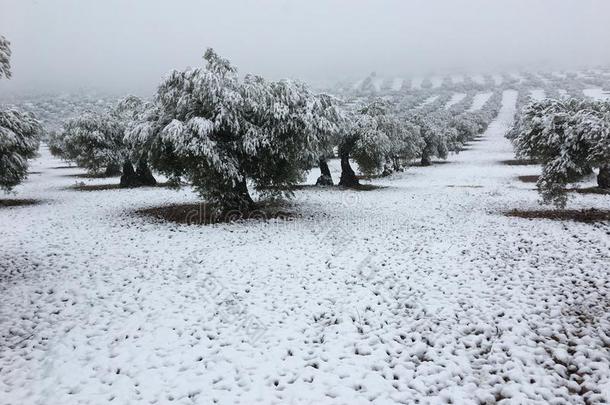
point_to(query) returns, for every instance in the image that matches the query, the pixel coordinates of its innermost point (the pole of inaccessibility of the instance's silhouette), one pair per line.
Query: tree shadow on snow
(91, 175)
(587, 215)
(105, 187)
(589, 190)
(529, 178)
(18, 202)
(360, 187)
(519, 162)
(204, 214)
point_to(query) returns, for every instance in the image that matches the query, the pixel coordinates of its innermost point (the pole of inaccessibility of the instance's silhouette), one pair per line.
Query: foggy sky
(128, 45)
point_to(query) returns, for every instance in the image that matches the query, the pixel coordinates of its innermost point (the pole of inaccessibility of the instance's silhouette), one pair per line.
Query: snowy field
(420, 291)
(479, 100)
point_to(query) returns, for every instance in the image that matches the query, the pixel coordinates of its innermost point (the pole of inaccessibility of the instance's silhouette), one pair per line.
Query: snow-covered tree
(5, 58)
(222, 134)
(95, 141)
(19, 134)
(19, 140)
(378, 141)
(437, 136)
(336, 115)
(569, 137)
(470, 124)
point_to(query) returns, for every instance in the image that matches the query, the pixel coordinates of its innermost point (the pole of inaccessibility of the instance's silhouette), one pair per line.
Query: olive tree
(19, 134)
(224, 135)
(95, 141)
(569, 137)
(378, 141)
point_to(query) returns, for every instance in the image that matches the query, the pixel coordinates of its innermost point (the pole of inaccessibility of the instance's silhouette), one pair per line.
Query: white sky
(127, 45)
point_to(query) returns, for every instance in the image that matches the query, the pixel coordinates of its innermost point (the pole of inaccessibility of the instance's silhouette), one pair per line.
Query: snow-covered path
(421, 290)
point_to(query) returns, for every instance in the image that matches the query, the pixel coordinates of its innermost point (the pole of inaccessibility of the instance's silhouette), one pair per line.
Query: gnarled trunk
(137, 178)
(240, 200)
(129, 178)
(603, 178)
(348, 176)
(325, 178)
(145, 176)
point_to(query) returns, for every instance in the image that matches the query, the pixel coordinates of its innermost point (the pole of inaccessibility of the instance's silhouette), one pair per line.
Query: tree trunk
(240, 200)
(397, 166)
(129, 178)
(603, 178)
(425, 160)
(390, 166)
(112, 170)
(145, 176)
(325, 178)
(348, 177)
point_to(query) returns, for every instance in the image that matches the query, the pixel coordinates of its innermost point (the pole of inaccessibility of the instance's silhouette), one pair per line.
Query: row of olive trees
(96, 142)
(19, 133)
(209, 128)
(226, 135)
(570, 138)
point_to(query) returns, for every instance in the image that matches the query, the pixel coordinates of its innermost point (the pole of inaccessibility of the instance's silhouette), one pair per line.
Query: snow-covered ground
(537, 94)
(421, 291)
(455, 98)
(429, 100)
(479, 100)
(597, 94)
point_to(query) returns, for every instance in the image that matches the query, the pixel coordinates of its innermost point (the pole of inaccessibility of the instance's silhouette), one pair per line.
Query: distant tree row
(223, 135)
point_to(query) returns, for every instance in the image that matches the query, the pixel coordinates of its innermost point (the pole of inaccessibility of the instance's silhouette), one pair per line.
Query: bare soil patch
(590, 190)
(590, 215)
(104, 187)
(204, 214)
(529, 179)
(519, 162)
(91, 176)
(64, 167)
(18, 202)
(435, 162)
(361, 187)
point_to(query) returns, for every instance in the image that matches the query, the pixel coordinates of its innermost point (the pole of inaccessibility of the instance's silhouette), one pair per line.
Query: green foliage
(19, 140)
(95, 141)
(221, 133)
(569, 137)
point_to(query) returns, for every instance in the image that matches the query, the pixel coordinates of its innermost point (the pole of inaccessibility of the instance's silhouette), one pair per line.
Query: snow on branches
(19, 140)
(378, 140)
(19, 134)
(569, 137)
(95, 141)
(221, 133)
